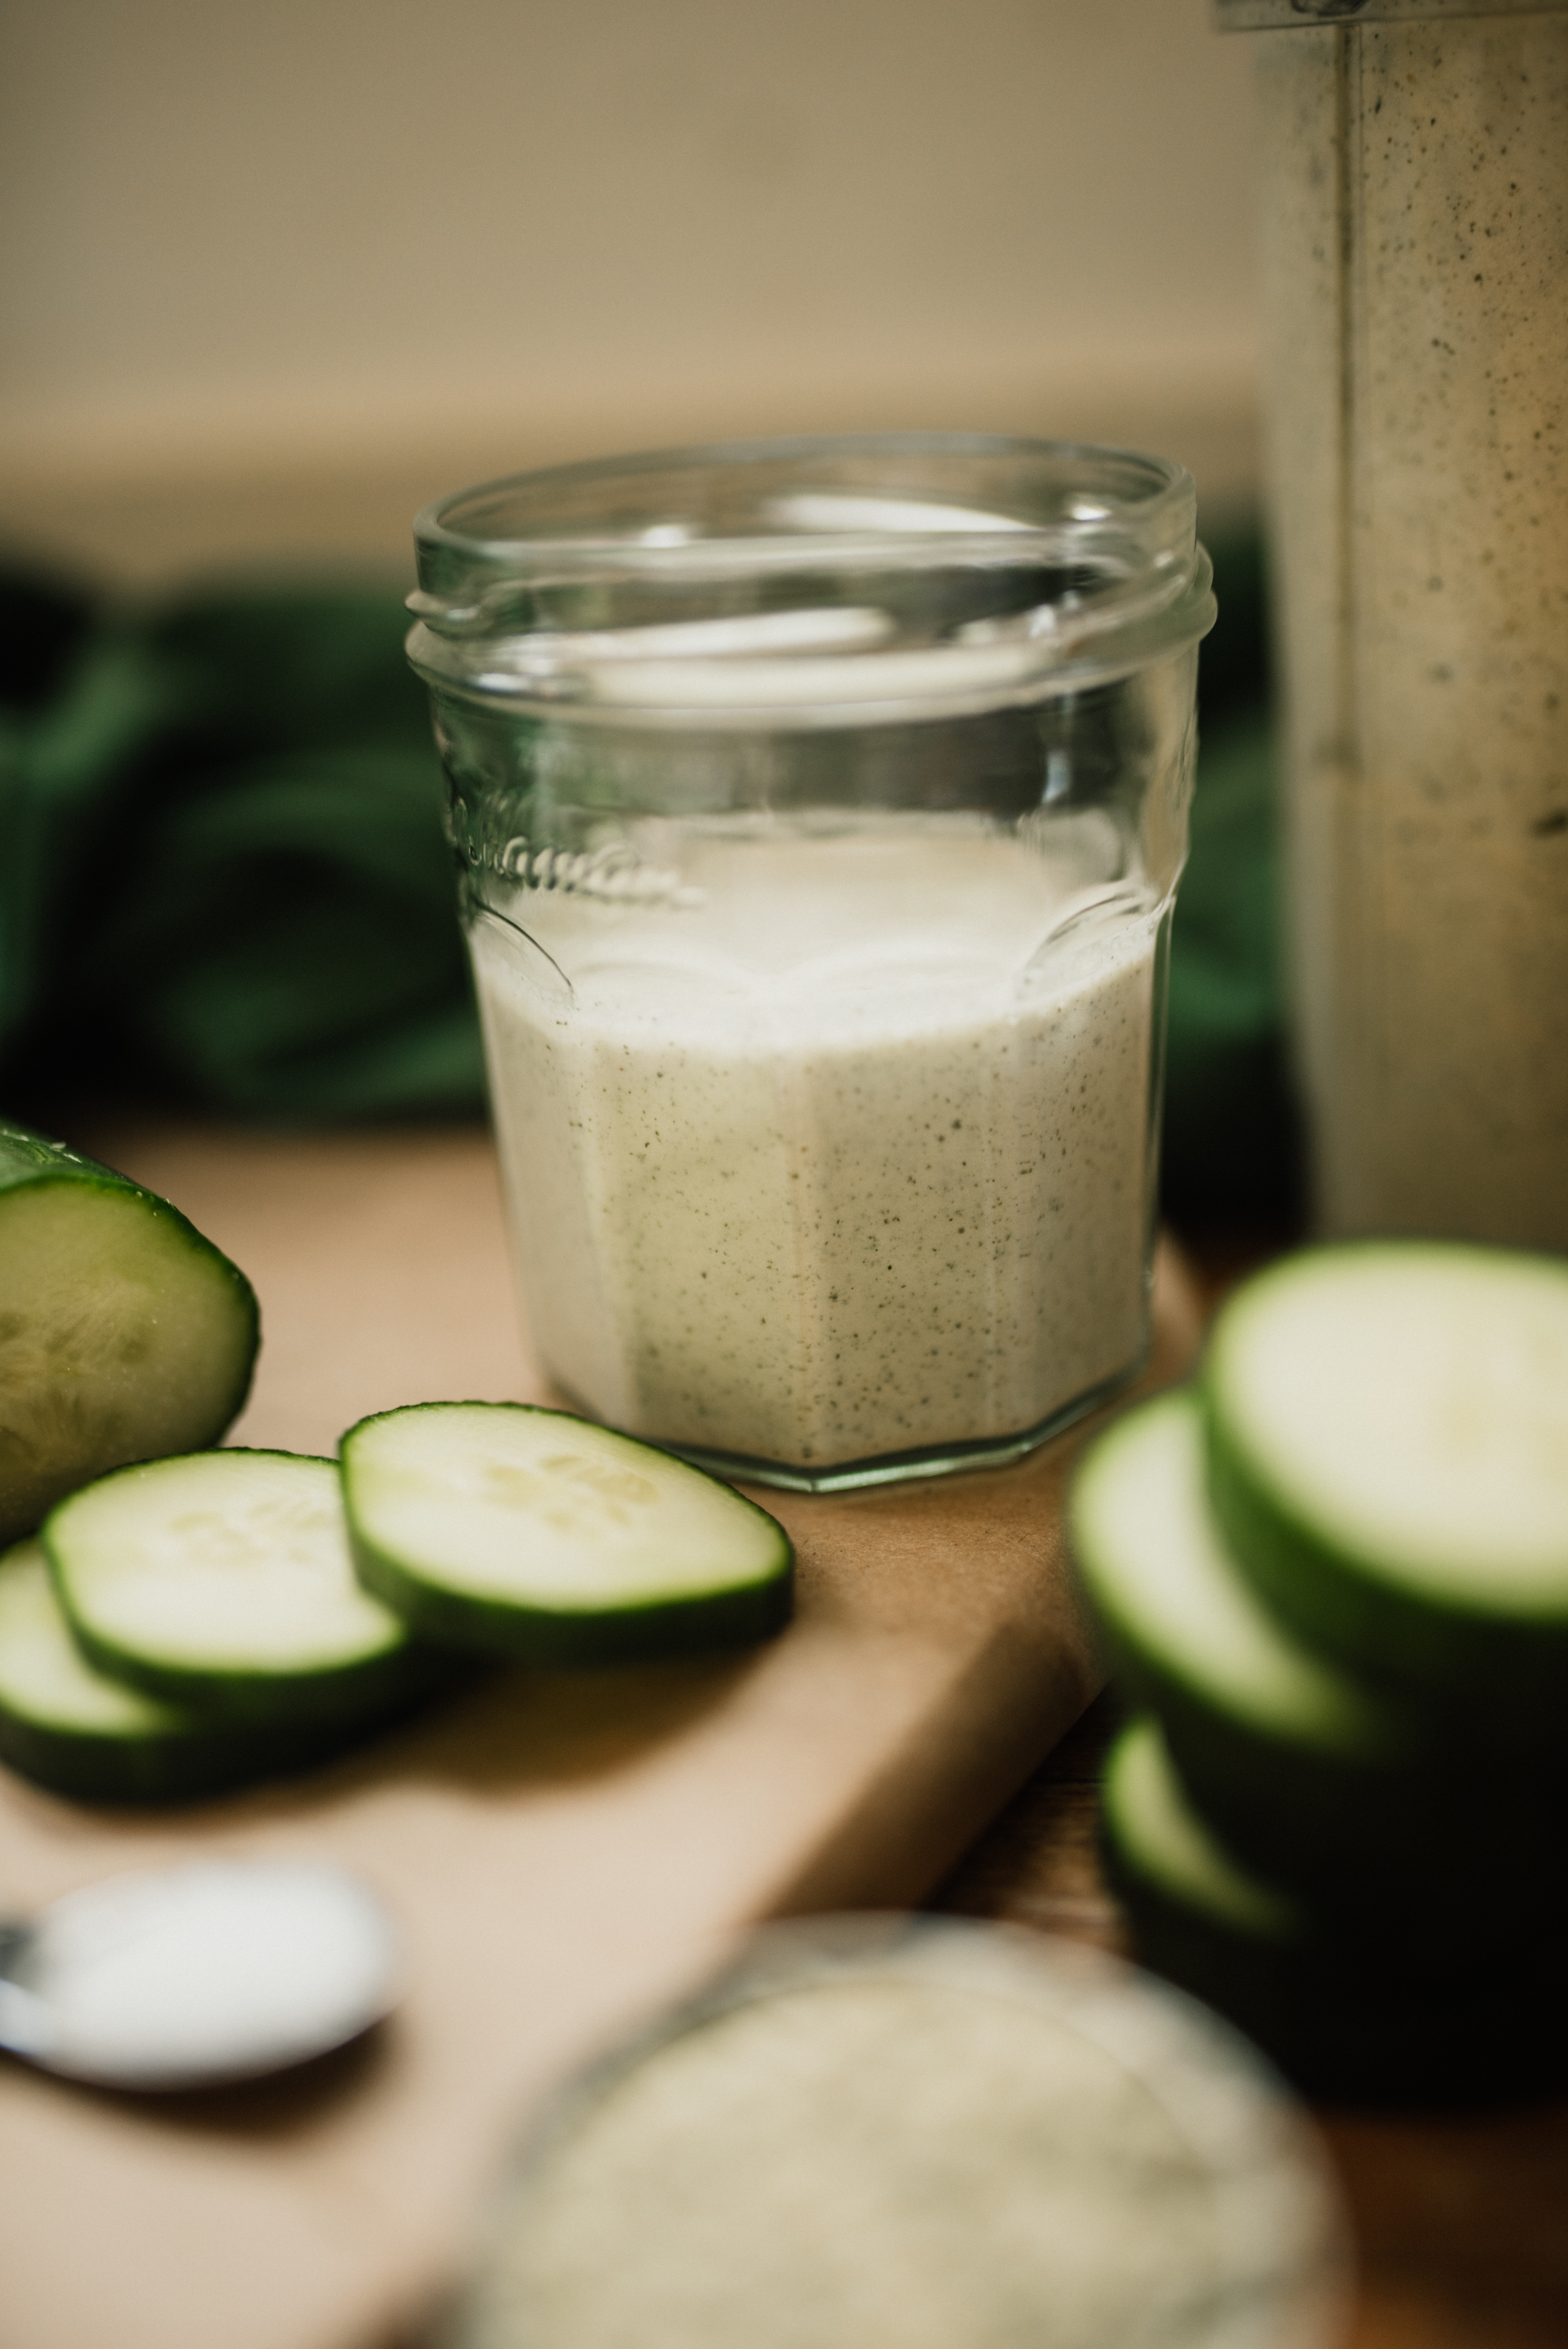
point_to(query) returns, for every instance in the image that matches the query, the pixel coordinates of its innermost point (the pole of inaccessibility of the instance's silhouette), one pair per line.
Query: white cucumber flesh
(1389, 1433)
(123, 1333)
(531, 1533)
(224, 1579)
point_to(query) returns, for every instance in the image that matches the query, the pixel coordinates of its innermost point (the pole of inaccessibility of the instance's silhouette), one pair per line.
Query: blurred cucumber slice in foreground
(1306, 1769)
(535, 1533)
(1388, 1436)
(123, 1333)
(72, 1729)
(223, 1580)
(1176, 1603)
(1154, 1831)
(1337, 2025)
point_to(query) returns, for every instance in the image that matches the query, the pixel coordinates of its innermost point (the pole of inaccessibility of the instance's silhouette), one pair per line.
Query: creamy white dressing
(826, 1146)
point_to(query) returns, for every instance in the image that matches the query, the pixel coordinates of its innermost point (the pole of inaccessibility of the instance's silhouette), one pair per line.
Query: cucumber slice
(69, 1728)
(123, 1333)
(1153, 1828)
(1172, 1596)
(1389, 1457)
(223, 1580)
(535, 1534)
(1307, 1771)
(1337, 2021)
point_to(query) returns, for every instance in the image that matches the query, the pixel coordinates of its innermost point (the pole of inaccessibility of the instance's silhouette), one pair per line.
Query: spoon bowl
(188, 1977)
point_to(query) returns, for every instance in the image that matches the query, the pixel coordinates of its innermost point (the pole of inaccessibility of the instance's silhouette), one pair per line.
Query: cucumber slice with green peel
(73, 1730)
(223, 1580)
(1388, 1458)
(537, 1535)
(1344, 2025)
(1308, 1770)
(1173, 1595)
(1153, 1828)
(123, 1333)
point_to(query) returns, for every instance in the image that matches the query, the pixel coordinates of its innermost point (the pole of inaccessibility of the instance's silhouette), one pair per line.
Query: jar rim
(1345, 15)
(795, 581)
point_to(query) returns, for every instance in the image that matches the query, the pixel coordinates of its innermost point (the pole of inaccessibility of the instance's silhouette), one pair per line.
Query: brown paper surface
(559, 1852)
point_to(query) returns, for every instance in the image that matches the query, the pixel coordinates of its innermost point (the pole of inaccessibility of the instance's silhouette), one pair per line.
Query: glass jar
(1415, 211)
(818, 809)
(921, 2134)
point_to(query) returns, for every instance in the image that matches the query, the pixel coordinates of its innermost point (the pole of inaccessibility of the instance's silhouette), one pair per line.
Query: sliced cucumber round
(1153, 1828)
(73, 1730)
(1308, 1770)
(1389, 1457)
(1173, 1598)
(535, 1534)
(124, 1334)
(223, 1580)
(1337, 2021)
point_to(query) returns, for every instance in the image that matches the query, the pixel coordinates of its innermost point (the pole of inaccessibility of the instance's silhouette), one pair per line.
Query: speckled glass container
(818, 809)
(881, 2134)
(1415, 211)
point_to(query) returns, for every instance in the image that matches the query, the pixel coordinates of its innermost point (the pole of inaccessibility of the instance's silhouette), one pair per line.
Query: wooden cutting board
(559, 1852)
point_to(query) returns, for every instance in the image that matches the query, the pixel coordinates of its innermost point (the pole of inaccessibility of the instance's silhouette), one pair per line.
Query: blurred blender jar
(1415, 211)
(818, 809)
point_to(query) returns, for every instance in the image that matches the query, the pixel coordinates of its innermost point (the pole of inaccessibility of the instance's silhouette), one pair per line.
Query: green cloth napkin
(224, 880)
(224, 883)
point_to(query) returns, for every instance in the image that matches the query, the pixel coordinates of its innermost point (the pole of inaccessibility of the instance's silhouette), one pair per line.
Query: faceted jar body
(818, 811)
(1416, 268)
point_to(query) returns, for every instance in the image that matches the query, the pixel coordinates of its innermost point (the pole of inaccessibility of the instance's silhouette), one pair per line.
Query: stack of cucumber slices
(1333, 1577)
(188, 1624)
(194, 1620)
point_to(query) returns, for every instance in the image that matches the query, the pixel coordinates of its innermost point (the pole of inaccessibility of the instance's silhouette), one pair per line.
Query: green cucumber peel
(124, 1334)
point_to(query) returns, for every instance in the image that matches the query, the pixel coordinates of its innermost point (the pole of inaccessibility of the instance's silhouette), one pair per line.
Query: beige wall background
(274, 275)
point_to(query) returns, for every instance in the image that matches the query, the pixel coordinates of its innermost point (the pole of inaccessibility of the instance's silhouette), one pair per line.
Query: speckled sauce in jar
(810, 1203)
(1416, 272)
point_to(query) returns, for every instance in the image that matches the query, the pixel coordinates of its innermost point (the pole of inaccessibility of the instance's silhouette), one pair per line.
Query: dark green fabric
(222, 880)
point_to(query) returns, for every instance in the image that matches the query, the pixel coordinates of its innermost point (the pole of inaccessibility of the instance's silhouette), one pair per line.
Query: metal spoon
(183, 1977)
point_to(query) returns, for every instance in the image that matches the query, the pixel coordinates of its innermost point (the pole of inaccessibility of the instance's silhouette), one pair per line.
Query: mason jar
(818, 809)
(901, 2132)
